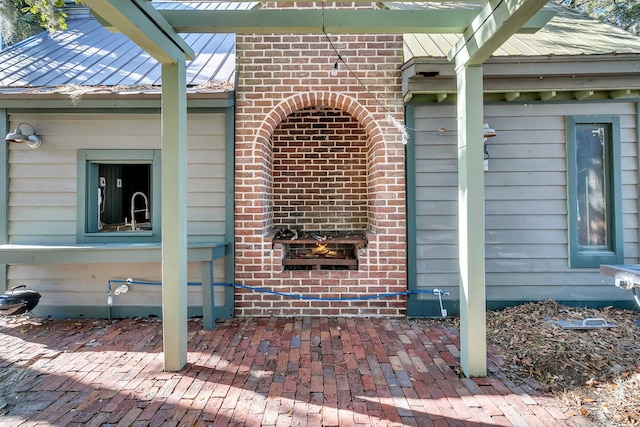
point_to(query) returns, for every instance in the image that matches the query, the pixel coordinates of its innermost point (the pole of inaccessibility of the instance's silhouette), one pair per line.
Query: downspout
(410, 179)
(230, 150)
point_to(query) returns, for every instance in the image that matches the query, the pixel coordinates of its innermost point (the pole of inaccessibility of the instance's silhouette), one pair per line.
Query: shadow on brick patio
(255, 372)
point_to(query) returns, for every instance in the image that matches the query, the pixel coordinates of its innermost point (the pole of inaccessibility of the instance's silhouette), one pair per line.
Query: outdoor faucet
(134, 210)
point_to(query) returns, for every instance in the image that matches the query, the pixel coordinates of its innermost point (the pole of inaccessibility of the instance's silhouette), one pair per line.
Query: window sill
(130, 236)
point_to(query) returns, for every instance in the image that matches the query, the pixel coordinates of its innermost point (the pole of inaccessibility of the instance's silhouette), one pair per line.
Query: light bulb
(334, 70)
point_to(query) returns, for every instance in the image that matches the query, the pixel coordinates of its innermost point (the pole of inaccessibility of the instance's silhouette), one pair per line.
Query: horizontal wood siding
(526, 202)
(42, 201)
(87, 284)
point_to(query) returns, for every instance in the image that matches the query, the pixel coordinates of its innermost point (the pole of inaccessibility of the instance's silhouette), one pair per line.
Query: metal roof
(86, 54)
(569, 33)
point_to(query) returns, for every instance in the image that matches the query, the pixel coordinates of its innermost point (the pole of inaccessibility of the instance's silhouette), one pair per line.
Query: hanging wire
(401, 127)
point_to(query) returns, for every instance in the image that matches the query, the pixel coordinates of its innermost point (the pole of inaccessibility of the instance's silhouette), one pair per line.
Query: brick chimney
(317, 152)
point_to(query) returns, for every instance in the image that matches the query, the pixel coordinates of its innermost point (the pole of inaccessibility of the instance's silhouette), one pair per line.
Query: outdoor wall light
(32, 140)
(334, 70)
(487, 133)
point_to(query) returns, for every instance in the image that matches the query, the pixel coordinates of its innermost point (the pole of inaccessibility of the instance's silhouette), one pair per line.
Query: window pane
(591, 141)
(121, 190)
(124, 192)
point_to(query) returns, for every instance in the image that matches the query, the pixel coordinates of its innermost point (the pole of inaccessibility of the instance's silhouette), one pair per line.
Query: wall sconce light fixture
(32, 140)
(487, 133)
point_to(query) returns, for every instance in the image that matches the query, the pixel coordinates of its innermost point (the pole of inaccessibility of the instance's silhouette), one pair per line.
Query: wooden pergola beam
(336, 21)
(143, 24)
(495, 23)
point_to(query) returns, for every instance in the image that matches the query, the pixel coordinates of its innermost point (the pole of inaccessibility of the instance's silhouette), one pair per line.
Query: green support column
(174, 215)
(4, 194)
(471, 238)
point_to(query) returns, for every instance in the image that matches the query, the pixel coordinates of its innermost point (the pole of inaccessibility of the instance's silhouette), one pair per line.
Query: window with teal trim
(594, 191)
(118, 196)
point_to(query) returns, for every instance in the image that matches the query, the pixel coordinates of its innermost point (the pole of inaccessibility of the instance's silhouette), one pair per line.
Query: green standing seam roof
(87, 54)
(569, 33)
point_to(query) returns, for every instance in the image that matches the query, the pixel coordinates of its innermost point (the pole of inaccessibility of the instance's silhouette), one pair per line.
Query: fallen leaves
(596, 372)
(621, 400)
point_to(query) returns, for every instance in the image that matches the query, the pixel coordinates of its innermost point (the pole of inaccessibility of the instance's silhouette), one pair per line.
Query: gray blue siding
(526, 202)
(42, 201)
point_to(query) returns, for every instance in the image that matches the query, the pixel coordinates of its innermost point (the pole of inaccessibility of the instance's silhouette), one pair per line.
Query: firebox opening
(320, 250)
(321, 256)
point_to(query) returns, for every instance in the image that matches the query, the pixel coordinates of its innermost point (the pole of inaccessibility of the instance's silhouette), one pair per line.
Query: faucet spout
(134, 210)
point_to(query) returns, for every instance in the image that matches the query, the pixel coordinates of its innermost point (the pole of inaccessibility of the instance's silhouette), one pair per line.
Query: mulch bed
(596, 372)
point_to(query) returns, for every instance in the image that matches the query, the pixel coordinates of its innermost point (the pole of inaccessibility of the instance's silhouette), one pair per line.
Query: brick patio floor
(255, 372)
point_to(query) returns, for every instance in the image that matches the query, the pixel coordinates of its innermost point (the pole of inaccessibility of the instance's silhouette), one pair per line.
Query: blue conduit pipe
(130, 281)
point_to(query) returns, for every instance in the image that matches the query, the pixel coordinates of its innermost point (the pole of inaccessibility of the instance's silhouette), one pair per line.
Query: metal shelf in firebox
(320, 250)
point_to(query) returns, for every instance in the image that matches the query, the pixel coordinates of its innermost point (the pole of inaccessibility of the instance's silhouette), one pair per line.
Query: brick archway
(326, 99)
(300, 101)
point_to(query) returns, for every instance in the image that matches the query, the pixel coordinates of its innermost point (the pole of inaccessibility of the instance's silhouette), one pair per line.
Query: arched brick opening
(320, 171)
(325, 99)
(334, 185)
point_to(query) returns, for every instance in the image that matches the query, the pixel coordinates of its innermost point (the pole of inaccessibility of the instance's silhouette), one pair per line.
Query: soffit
(573, 57)
(482, 32)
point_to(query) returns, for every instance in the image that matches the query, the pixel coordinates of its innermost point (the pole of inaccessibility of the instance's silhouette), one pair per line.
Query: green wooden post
(471, 238)
(174, 215)
(4, 194)
(208, 300)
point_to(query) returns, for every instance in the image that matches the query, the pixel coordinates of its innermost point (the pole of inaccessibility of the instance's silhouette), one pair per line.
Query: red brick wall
(281, 79)
(320, 171)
